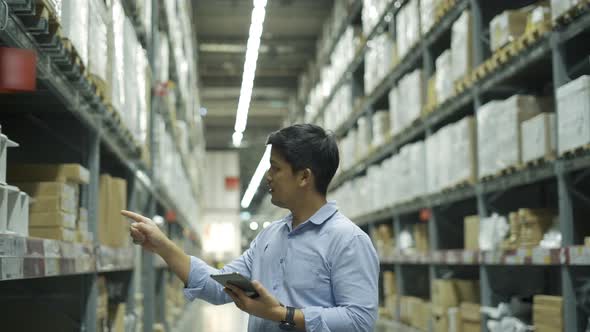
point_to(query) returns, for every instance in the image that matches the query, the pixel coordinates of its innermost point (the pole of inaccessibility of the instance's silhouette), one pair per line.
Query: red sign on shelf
(232, 183)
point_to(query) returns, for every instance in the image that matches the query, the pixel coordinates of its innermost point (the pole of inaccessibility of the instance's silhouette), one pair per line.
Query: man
(315, 269)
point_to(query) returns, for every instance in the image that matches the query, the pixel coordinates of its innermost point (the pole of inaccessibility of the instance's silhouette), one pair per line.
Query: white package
(97, 32)
(74, 24)
(432, 166)
(130, 111)
(427, 15)
(363, 138)
(486, 138)
(380, 127)
(393, 108)
(464, 156)
(538, 137)
(573, 114)
(461, 46)
(408, 109)
(116, 60)
(408, 27)
(559, 7)
(444, 87)
(492, 231)
(164, 58)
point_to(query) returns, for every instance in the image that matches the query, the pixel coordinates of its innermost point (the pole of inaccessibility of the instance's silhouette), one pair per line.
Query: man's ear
(305, 177)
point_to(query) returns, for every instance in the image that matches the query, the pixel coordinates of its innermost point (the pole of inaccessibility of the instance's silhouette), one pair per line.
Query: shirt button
(281, 261)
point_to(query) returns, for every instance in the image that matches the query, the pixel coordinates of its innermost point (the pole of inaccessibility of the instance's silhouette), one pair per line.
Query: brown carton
(113, 228)
(37, 189)
(48, 172)
(55, 233)
(52, 219)
(52, 204)
(471, 232)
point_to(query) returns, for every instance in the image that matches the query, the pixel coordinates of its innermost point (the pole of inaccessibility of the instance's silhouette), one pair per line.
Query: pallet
(582, 149)
(459, 185)
(538, 161)
(76, 59)
(99, 86)
(571, 14)
(463, 84)
(503, 172)
(533, 35)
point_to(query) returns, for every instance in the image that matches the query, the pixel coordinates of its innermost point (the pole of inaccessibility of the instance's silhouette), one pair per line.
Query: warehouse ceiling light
(258, 14)
(256, 178)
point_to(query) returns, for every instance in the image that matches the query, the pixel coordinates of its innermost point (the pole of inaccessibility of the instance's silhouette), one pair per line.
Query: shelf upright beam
(477, 32)
(571, 317)
(397, 226)
(89, 198)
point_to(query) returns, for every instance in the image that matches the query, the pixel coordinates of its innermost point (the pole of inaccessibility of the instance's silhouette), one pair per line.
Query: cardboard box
(545, 328)
(539, 138)
(506, 27)
(471, 232)
(467, 326)
(470, 312)
(421, 315)
(55, 233)
(440, 319)
(389, 283)
(118, 323)
(421, 237)
(113, 229)
(548, 300)
(51, 219)
(48, 172)
(444, 294)
(37, 189)
(53, 204)
(548, 316)
(573, 114)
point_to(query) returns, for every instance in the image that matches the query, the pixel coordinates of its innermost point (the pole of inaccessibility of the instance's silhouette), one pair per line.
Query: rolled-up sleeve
(355, 282)
(201, 285)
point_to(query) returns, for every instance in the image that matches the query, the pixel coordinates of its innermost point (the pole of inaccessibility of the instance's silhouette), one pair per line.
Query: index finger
(136, 217)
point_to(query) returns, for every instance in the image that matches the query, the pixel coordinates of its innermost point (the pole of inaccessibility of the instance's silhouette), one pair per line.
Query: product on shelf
(498, 152)
(548, 313)
(573, 114)
(470, 317)
(406, 101)
(98, 48)
(102, 304)
(380, 127)
(116, 55)
(560, 7)
(112, 226)
(427, 14)
(450, 293)
(117, 316)
(534, 224)
(378, 61)
(461, 46)
(407, 27)
(383, 240)
(492, 231)
(372, 11)
(363, 141)
(539, 139)
(389, 285)
(421, 237)
(506, 27)
(440, 319)
(74, 25)
(444, 87)
(55, 192)
(471, 232)
(431, 97)
(17, 217)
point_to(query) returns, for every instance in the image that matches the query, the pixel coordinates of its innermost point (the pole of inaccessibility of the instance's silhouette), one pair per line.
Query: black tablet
(237, 280)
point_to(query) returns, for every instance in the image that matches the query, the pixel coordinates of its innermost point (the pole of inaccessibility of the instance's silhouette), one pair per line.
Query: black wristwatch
(288, 324)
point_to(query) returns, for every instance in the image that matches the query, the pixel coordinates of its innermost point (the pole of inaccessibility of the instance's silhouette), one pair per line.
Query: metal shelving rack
(83, 131)
(522, 188)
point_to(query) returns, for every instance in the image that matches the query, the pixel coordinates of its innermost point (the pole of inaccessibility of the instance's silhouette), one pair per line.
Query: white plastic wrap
(408, 27)
(143, 96)
(486, 134)
(97, 32)
(380, 127)
(538, 137)
(130, 110)
(408, 109)
(444, 87)
(492, 231)
(464, 156)
(74, 25)
(378, 61)
(363, 138)
(559, 7)
(432, 158)
(427, 15)
(116, 61)
(461, 50)
(372, 11)
(393, 108)
(573, 114)
(164, 58)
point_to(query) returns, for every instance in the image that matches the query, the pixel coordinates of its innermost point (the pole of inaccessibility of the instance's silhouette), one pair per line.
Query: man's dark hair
(308, 146)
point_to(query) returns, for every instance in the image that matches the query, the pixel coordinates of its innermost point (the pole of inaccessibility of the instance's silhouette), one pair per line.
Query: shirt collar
(318, 218)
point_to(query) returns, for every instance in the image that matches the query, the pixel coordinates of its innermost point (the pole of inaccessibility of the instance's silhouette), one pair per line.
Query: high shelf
(68, 120)
(551, 60)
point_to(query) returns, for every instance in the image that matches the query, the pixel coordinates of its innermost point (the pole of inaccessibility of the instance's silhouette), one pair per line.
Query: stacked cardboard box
(421, 237)
(506, 27)
(112, 227)
(383, 240)
(470, 317)
(415, 312)
(447, 295)
(390, 293)
(55, 190)
(573, 114)
(471, 232)
(548, 313)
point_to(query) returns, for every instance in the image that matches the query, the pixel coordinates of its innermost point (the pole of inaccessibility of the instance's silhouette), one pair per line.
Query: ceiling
(288, 44)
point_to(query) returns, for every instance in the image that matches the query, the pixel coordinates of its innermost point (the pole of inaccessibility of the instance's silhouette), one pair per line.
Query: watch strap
(290, 317)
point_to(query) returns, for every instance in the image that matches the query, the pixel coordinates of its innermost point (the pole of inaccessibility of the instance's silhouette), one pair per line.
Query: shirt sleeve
(355, 278)
(201, 285)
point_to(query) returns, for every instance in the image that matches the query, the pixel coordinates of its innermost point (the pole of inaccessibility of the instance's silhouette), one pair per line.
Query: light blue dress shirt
(327, 267)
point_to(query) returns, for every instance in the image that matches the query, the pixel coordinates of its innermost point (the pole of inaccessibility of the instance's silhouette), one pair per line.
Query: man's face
(282, 181)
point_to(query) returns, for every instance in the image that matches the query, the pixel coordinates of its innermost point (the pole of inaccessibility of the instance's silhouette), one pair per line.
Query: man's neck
(307, 208)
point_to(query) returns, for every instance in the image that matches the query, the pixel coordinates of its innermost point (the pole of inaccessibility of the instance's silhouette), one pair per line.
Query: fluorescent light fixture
(252, 48)
(256, 178)
(254, 225)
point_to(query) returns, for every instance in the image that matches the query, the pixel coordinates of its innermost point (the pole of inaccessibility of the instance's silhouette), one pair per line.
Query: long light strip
(258, 14)
(256, 178)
